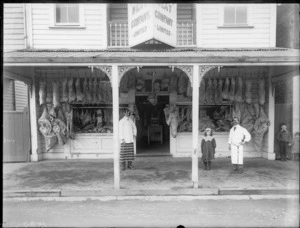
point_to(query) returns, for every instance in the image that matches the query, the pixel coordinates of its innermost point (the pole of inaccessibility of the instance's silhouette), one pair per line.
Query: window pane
(241, 15)
(61, 13)
(73, 14)
(229, 15)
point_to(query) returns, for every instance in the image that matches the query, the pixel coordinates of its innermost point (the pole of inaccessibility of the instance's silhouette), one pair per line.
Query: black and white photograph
(150, 114)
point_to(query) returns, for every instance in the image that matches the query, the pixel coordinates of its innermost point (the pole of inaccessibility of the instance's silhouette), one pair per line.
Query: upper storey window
(235, 15)
(67, 15)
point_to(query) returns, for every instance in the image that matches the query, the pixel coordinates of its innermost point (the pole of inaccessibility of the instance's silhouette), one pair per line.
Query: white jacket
(239, 135)
(127, 129)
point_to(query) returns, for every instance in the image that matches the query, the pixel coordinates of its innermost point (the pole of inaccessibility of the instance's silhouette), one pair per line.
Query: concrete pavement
(153, 177)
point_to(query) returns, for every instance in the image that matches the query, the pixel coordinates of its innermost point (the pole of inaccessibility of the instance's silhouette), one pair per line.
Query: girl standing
(208, 146)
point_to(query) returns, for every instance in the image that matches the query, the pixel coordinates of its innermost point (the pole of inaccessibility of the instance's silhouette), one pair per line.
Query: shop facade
(78, 96)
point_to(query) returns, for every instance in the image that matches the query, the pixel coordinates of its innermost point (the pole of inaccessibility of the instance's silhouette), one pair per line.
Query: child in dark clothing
(285, 140)
(208, 146)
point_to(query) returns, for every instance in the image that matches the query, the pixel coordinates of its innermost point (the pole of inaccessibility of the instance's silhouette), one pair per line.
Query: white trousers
(237, 155)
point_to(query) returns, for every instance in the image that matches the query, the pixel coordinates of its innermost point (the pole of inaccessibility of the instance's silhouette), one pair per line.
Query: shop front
(77, 99)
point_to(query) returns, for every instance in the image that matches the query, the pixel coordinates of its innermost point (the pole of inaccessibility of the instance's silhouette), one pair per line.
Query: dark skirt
(127, 152)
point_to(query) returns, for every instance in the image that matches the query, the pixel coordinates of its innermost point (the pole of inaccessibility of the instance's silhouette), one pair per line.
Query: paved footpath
(147, 213)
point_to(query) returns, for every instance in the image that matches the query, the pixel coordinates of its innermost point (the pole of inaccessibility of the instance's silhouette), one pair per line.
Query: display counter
(182, 145)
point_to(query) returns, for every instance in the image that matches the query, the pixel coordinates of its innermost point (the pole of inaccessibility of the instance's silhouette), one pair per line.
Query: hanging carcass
(215, 91)
(182, 83)
(85, 90)
(65, 95)
(209, 92)
(79, 94)
(42, 92)
(69, 120)
(72, 94)
(55, 86)
(238, 97)
(248, 92)
(90, 91)
(261, 92)
(171, 115)
(219, 91)
(96, 92)
(232, 90)
(45, 128)
(260, 127)
(225, 91)
(202, 93)
(173, 83)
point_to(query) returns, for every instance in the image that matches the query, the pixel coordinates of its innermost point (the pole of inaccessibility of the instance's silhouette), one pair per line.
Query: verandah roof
(249, 56)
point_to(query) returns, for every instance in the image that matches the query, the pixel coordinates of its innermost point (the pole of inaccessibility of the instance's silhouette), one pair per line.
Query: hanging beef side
(261, 92)
(215, 91)
(55, 86)
(173, 83)
(96, 93)
(182, 84)
(90, 91)
(219, 91)
(239, 92)
(72, 95)
(248, 93)
(171, 115)
(209, 95)
(65, 95)
(85, 90)
(79, 94)
(232, 90)
(42, 92)
(225, 91)
(202, 92)
(69, 120)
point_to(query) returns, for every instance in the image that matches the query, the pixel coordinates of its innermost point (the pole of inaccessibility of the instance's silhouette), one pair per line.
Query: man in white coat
(127, 133)
(237, 138)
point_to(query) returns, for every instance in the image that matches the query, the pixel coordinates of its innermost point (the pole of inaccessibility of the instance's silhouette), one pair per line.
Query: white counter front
(181, 146)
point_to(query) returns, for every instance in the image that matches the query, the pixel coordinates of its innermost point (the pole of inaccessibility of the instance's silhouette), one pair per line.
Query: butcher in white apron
(237, 138)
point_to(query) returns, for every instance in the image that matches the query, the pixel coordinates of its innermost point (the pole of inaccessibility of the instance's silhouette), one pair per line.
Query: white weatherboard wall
(262, 34)
(92, 36)
(13, 27)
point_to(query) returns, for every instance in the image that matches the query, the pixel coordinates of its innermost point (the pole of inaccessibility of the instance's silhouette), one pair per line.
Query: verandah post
(115, 90)
(195, 108)
(271, 132)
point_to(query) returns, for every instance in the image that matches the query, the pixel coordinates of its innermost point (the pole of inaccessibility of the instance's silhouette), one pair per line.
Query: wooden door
(16, 136)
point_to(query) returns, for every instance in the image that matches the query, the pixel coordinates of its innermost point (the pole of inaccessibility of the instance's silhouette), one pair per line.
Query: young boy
(285, 140)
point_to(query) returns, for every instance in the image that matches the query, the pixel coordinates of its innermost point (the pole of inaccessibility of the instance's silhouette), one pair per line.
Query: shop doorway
(153, 137)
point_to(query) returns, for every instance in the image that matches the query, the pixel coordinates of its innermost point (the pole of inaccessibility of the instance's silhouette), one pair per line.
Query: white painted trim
(14, 76)
(199, 26)
(115, 89)
(273, 63)
(296, 94)
(271, 113)
(28, 26)
(195, 121)
(273, 23)
(35, 156)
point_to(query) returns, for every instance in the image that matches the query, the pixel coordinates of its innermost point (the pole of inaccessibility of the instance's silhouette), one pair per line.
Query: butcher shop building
(179, 68)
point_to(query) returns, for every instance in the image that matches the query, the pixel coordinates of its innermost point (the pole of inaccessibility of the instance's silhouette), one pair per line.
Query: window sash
(235, 15)
(67, 14)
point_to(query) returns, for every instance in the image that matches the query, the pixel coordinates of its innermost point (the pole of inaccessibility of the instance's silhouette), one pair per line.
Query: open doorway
(153, 136)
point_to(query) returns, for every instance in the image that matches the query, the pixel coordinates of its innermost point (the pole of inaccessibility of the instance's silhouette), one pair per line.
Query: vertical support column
(296, 104)
(115, 90)
(195, 84)
(271, 132)
(33, 122)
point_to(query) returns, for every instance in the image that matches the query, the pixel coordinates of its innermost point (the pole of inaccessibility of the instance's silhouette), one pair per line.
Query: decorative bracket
(204, 69)
(123, 69)
(105, 69)
(186, 69)
(274, 85)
